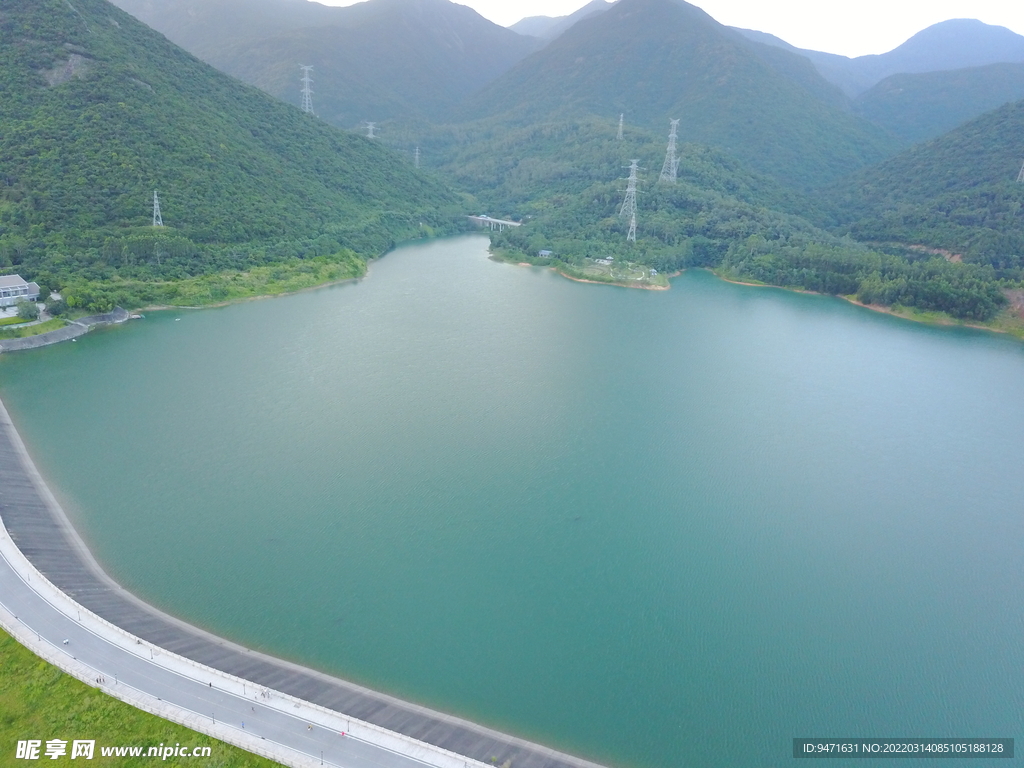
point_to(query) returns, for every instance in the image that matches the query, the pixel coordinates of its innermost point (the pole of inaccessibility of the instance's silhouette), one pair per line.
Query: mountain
(841, 71)
(957, 193)
(549, 27)
(97, 111)
(659, 59)
(566, 182)
(916, 107)
(948, 45)
(377, 60)
(204, 27)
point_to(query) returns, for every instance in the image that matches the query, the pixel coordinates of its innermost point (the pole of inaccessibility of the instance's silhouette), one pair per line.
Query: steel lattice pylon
(158, 220)
(668, 170)
(629, 202)
(307, 91)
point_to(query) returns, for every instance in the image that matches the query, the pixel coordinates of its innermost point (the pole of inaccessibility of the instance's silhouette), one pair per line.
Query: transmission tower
(1020, 176)
(158, 220)
(621, 117)
(668, 170)
(307, 92)
(629, 202)
(416, 157)
(369, 130)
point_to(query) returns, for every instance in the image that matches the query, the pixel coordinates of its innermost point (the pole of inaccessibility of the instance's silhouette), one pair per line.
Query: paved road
(132, 669)
(191, 675)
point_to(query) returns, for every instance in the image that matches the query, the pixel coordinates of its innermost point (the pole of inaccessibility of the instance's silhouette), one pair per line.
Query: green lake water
(654, 529)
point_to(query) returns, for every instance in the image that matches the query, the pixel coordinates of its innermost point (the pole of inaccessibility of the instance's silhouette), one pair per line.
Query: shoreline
(945, 321)
(614, 283)
(496, 257)
(939, 320)
(49, 560)
(260, 297)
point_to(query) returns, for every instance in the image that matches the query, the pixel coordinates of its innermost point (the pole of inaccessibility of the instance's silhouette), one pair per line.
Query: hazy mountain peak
(659, 59)
(954, 44)
(550, 27)
(948, 45)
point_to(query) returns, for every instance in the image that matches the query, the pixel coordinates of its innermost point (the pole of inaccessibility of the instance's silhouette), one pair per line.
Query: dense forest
(97, 112)
(716, 215)
(765, 106)
(957, 193)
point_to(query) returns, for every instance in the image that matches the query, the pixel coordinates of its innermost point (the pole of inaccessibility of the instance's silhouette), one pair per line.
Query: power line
(307, 91)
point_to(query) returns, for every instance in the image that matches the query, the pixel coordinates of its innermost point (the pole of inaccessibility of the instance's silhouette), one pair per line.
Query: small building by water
(13, 289)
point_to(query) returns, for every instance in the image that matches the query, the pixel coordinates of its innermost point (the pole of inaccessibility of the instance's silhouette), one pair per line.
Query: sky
(850, 29)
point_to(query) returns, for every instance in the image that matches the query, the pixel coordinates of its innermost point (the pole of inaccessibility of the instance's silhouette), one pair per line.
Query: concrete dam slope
(72, 330)
(39, 528)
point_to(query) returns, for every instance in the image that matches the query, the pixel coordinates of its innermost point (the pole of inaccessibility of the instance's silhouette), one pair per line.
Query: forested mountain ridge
(97, 111)
(660, 59)
(718, 214)
(957, 193)
(918, 107)
(373, 61)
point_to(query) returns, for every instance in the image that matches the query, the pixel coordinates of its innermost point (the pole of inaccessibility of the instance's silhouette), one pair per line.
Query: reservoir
(653, 529)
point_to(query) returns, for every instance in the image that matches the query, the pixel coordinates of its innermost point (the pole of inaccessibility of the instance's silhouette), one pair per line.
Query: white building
(13, 289)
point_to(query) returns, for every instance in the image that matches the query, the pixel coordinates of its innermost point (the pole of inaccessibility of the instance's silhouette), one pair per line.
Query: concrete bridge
(498, 224)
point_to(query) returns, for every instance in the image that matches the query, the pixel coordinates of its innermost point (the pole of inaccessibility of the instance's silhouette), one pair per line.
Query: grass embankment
(12, 321)
(270, 280)
(622, 273)
(220, 287)
(32, 330)
(38, 701)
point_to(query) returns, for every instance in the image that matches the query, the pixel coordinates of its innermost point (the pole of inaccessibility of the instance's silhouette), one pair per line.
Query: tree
(28, 310)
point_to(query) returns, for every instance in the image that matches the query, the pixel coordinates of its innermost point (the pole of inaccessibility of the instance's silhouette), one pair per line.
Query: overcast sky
(852, 29)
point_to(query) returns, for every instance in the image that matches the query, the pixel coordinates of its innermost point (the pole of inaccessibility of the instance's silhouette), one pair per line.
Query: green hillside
(660, 59)
(917, 107)
(97, 111)
(957, 193)
(376, 60)
(565, 181)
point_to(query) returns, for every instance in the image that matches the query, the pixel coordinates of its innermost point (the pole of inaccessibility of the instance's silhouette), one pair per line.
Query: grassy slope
(38, 701)
(31, 330)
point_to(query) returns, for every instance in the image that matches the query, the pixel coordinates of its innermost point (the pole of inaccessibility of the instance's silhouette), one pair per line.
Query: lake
(654, 529)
